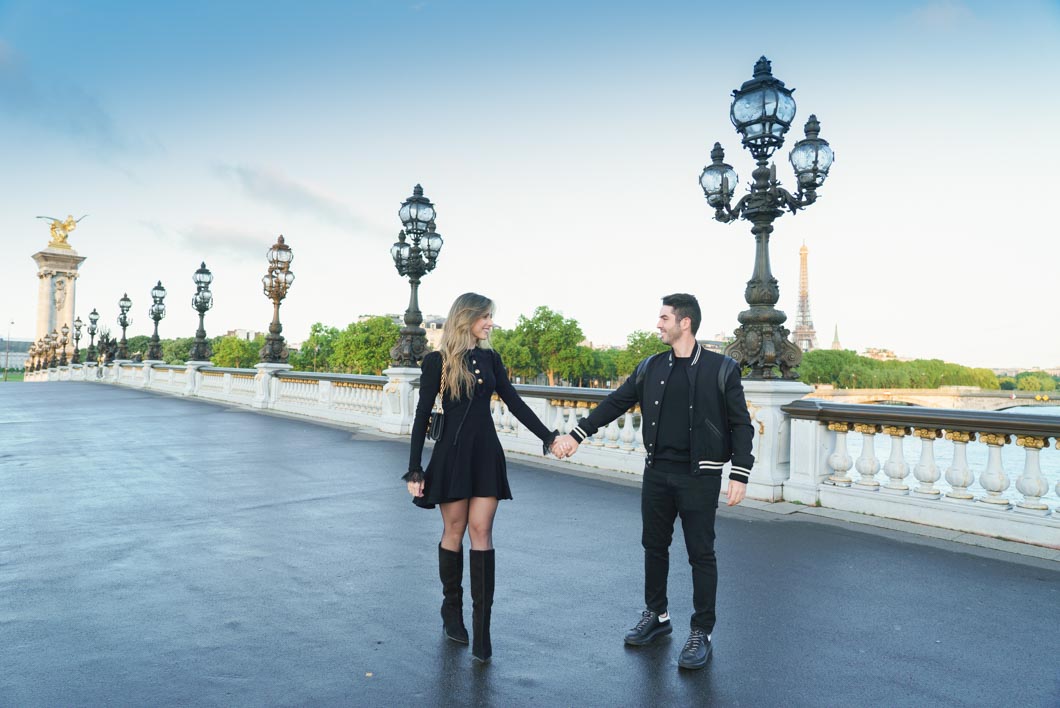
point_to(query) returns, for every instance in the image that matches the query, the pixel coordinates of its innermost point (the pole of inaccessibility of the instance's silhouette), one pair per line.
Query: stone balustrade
(807, 451)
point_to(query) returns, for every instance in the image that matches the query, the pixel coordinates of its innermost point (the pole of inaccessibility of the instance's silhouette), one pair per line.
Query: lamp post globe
(762, 111)
(124, 304)
(414, 254)
(156, 312)
(275, 283)
(201, 301)
(53, 344)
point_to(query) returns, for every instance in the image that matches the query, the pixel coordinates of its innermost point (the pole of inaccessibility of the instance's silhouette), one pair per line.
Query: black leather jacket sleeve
(621, 400)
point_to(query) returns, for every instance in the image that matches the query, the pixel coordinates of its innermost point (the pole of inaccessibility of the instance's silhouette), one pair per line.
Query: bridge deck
(159, 551)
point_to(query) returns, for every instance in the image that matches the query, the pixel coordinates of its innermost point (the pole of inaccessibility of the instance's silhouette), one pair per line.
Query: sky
(561, 143)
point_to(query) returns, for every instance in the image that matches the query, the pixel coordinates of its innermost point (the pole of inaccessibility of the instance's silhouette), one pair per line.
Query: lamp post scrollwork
(762, 111)
(275, 283)
(125, 304)
(415, 254)
(201, 301)
(156, 312)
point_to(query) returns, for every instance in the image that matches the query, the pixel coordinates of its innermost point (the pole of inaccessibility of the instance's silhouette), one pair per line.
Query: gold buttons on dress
(477, 371)
(480, 380)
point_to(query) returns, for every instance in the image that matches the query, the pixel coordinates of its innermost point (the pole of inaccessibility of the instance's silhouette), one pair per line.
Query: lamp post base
(410, 349)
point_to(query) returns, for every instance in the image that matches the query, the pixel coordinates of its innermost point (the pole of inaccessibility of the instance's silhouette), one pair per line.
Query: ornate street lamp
(53, 346)
(276, 282)
(415, 260)
(125, 304)
(93, 318)
(762, 111)
(201, 301)
(156, 312)
(31, 361)
(78, 324)
(65, 329)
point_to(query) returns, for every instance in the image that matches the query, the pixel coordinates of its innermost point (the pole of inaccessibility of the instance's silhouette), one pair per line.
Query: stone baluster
(510, 422)
(895, 468)
(558, 420)
(613, 432)
(628, 434)
(926, 471)
(840, 461)
(867, 464)
(1058, 481)
(959, 476)
(993, 479)
(1031, 484)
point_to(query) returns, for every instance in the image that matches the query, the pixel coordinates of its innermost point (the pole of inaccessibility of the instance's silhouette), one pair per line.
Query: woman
(466, 476)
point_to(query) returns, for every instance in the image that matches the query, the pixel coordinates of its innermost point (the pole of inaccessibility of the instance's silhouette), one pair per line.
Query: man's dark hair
(684, 305)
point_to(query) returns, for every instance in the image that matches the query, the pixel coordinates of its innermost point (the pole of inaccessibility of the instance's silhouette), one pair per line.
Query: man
(693, 419)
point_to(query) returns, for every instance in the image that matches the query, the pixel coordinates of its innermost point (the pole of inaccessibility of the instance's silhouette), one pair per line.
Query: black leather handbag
(435, 425)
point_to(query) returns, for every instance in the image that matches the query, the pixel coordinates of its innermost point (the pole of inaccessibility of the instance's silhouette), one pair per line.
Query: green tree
(553, 342)
(138, 344)
(1031, 381)
(236, 352)
(315, 352)
(517, 358)
(639, 345)
(364, 347)
(1007, 383)
(177, 351)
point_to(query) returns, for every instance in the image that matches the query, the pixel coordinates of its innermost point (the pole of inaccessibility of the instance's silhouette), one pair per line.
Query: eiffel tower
(805, 336)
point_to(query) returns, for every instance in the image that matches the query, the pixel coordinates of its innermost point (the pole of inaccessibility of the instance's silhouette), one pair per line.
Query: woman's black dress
(468, 460)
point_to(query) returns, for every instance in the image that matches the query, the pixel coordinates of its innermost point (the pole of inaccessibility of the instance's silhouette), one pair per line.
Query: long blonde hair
(457, 340)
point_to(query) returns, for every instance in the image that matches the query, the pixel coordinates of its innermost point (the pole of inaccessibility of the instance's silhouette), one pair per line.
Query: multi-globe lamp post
(275, 283)
(93, 319)
(201, 301)
(78, 324)
(125, 304)
(65, 329)
(415, 254)
(762, 111)
(53, 347)
(156, 312)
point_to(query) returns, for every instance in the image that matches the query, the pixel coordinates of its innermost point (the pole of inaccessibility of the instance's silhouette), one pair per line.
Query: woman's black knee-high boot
(482, 568)
(451, 572)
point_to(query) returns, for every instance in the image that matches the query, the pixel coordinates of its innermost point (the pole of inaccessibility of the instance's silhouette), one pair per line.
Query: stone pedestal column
(398, 400)
(772, 441)
(56, 292)
(266, 383)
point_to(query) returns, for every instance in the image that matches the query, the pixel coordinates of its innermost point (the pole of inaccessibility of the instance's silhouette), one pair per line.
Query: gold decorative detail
(866, 428)
(927, 433)
(244, 376)
(212, 373)
(306, 381)
(61, 229)
(896, 431)
(995, 439)
(1030, 441)
(960, 436)
(839, 427)
(583, 404)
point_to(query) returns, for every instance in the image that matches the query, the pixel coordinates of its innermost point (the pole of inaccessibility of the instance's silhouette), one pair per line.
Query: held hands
(564, 446)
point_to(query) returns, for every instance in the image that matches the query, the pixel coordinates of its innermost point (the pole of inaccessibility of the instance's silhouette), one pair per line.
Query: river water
(1012, 456)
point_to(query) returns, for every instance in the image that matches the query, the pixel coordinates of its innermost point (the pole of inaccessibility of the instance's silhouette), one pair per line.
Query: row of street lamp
(50, 350)
(762, 112)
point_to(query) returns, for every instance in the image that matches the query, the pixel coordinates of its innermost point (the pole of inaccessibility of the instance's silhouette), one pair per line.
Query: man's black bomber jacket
(721, 426)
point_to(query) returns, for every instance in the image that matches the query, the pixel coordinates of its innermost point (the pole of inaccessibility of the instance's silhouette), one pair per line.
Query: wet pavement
(160, 551)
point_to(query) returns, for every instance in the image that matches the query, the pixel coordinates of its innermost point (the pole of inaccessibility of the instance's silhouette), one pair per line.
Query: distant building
(247, 335)
(714, 345)
(14, 353)
(434, 325)
(835, 340)
(880, 354)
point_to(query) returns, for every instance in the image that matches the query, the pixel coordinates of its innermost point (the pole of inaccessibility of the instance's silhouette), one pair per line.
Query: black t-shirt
(673, 444)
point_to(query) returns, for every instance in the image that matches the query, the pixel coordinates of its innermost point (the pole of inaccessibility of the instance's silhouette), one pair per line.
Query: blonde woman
(466, 475)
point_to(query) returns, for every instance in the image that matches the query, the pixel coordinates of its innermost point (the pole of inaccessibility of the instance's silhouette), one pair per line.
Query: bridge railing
(938, 466)
(976, 472)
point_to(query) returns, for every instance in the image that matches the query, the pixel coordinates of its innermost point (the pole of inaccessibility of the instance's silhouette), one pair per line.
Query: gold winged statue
(61, 229)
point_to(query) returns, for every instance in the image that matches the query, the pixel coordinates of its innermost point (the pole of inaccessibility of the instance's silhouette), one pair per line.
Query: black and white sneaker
(648, 629)
(696, 652)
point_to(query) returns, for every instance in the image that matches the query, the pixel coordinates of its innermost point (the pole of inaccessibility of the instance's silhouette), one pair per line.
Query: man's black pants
(664, 495)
